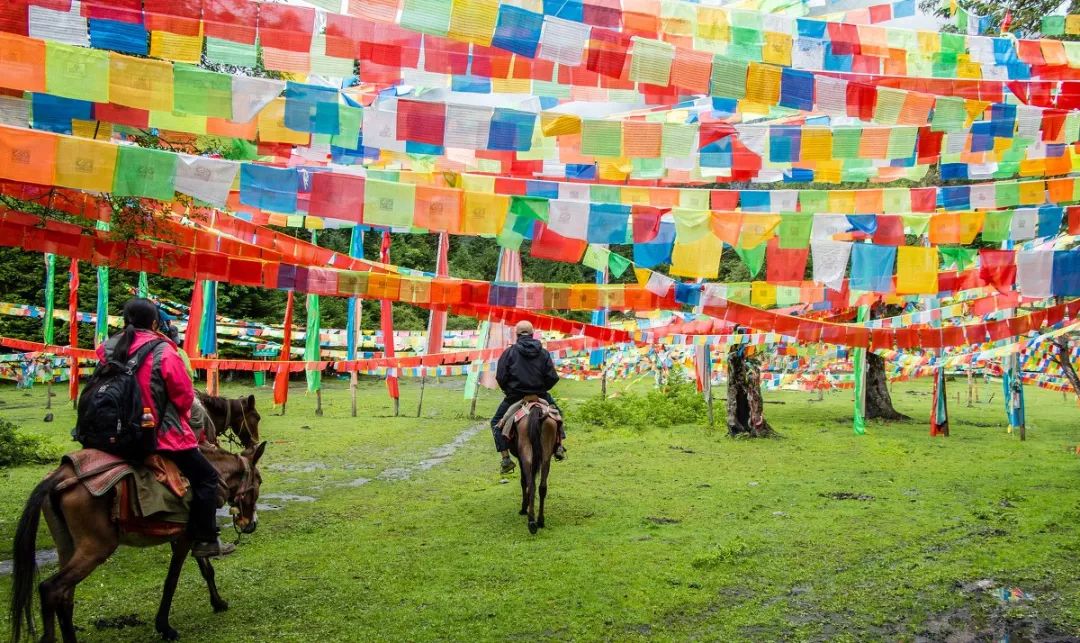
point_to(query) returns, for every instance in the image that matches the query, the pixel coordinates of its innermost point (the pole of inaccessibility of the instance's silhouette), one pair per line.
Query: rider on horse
(525, 368)
(175, 439)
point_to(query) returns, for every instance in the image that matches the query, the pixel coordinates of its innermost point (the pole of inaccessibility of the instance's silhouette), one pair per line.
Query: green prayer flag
(617, 264)
(596, 257)
(227, 52)
(901, 142)
(846, 142)
(859, 357)
(144, 285)
(350, 120)
(787, 296)
(814, 200)
(199, 91)
(144, 172)
(530, 208)
(997, 225)
(949, 114)
(728, 78)
(1007, 195)
(76, 72)
(426, 16)
(738, 292)
(388, 204)
(311, 336)
(916, 224)
(601, 138)
(754, 258)
(795, 228)
(679, 139)
(1053, 26)
(50, 297)
(961, 258)
(605, 194)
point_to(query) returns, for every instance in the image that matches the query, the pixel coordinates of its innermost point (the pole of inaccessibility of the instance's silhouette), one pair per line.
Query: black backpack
(111, 408)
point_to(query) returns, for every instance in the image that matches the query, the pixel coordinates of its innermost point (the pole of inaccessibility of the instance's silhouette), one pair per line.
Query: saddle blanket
(520, 410)
(151, 499)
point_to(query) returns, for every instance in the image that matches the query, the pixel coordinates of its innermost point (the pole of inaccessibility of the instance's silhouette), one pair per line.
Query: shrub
(676, 403)
(16, 448)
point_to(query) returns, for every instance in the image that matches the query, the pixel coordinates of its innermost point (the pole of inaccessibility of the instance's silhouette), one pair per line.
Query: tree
(745, 409)
(1027, 15)
(879, 403)
(1064, 360)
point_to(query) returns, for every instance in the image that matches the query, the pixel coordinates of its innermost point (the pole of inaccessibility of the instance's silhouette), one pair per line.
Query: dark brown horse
(238, 416)
(533, 445)
(85, 537)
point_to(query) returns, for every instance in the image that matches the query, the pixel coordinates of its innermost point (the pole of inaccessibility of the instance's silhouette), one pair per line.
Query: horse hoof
(532, 527)
(522, 512)
(169, 634)
(221, 607)
(540, 524)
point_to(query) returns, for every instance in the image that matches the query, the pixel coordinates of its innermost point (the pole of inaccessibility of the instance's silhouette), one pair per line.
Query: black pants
(508, 401)
(202, 524)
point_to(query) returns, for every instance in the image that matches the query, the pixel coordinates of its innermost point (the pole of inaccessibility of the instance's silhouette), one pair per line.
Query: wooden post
(397, 406)
(48, 392)
(472, 407)
(352, 391)
(971, 387)
(709, 402)
(423, 383)
(603, 381)
(318, 402)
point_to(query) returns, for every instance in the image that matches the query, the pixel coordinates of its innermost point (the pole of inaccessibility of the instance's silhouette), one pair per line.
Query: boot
(560, 452)
(212, 549)
(507, 465)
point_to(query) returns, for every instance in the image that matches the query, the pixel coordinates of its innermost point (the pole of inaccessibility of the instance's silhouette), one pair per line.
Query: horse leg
(543, 490)
(207, 569)
(93, 538)
(65, 549)
(524, 489)
(180, 549)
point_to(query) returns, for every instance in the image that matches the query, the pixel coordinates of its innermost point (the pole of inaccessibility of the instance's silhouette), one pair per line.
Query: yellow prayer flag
(91, 129)
(842, 201)
(632, 195)
(691, 225)
(559, 124)
(172, 46)
(473, 20)
(763, 84)
(757, 229)
(762, 294)
(140, 82)
(614, 169)
(484, 213)
(712, 24)
(777, 49)
(699, 259)
(816, 144)
(85, 164)
(916, 270)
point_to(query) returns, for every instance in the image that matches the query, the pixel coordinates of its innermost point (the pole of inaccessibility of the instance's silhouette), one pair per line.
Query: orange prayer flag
(27, 156)
(22, 63)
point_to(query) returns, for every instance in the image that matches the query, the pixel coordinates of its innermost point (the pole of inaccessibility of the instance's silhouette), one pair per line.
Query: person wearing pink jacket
(167, 389)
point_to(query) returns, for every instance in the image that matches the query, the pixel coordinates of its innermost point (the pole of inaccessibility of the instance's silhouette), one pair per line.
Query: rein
(246, 482)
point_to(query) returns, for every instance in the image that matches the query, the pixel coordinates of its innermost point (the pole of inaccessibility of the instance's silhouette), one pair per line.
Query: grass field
(676, 534)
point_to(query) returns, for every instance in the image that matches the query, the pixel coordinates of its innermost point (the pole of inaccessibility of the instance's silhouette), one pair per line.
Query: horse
(85, 535)
(238, 415)
(534, 443)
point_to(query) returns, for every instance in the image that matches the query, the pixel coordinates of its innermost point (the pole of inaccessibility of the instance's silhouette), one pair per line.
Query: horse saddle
(521, 409)
(152, 499)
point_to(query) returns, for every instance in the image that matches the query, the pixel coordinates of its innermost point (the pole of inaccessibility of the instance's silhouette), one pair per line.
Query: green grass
(674, 533)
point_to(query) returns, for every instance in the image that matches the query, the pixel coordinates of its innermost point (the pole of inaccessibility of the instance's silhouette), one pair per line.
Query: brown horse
(85, 537)
(533, 446)
(238, 416)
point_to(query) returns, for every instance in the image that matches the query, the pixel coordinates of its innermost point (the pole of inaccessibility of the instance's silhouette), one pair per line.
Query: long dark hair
(139, 314)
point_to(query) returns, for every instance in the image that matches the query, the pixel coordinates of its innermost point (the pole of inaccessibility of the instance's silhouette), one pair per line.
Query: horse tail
(535, 425)
(25, 562)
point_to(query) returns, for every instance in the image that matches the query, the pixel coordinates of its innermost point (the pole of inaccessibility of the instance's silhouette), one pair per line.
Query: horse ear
(258, 453)
(250, 402)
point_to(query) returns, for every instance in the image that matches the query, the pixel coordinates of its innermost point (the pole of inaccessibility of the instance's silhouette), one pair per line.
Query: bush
(676, 403)
(16, 449)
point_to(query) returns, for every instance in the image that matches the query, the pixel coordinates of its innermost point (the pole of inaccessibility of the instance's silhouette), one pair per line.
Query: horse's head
(246, 426)
(241, 478)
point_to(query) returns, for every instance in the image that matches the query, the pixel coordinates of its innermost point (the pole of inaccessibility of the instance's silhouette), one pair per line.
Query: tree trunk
(1065, 363)
(745, 412)
(878, 400)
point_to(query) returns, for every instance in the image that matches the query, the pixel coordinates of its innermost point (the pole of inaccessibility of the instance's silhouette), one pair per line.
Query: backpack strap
(136, 360)
(168, 416)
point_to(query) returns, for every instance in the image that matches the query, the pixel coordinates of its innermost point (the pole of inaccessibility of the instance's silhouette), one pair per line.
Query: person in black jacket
(524, 369)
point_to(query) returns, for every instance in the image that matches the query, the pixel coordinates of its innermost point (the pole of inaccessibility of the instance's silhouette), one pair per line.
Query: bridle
(247, 482)
(228, 424)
